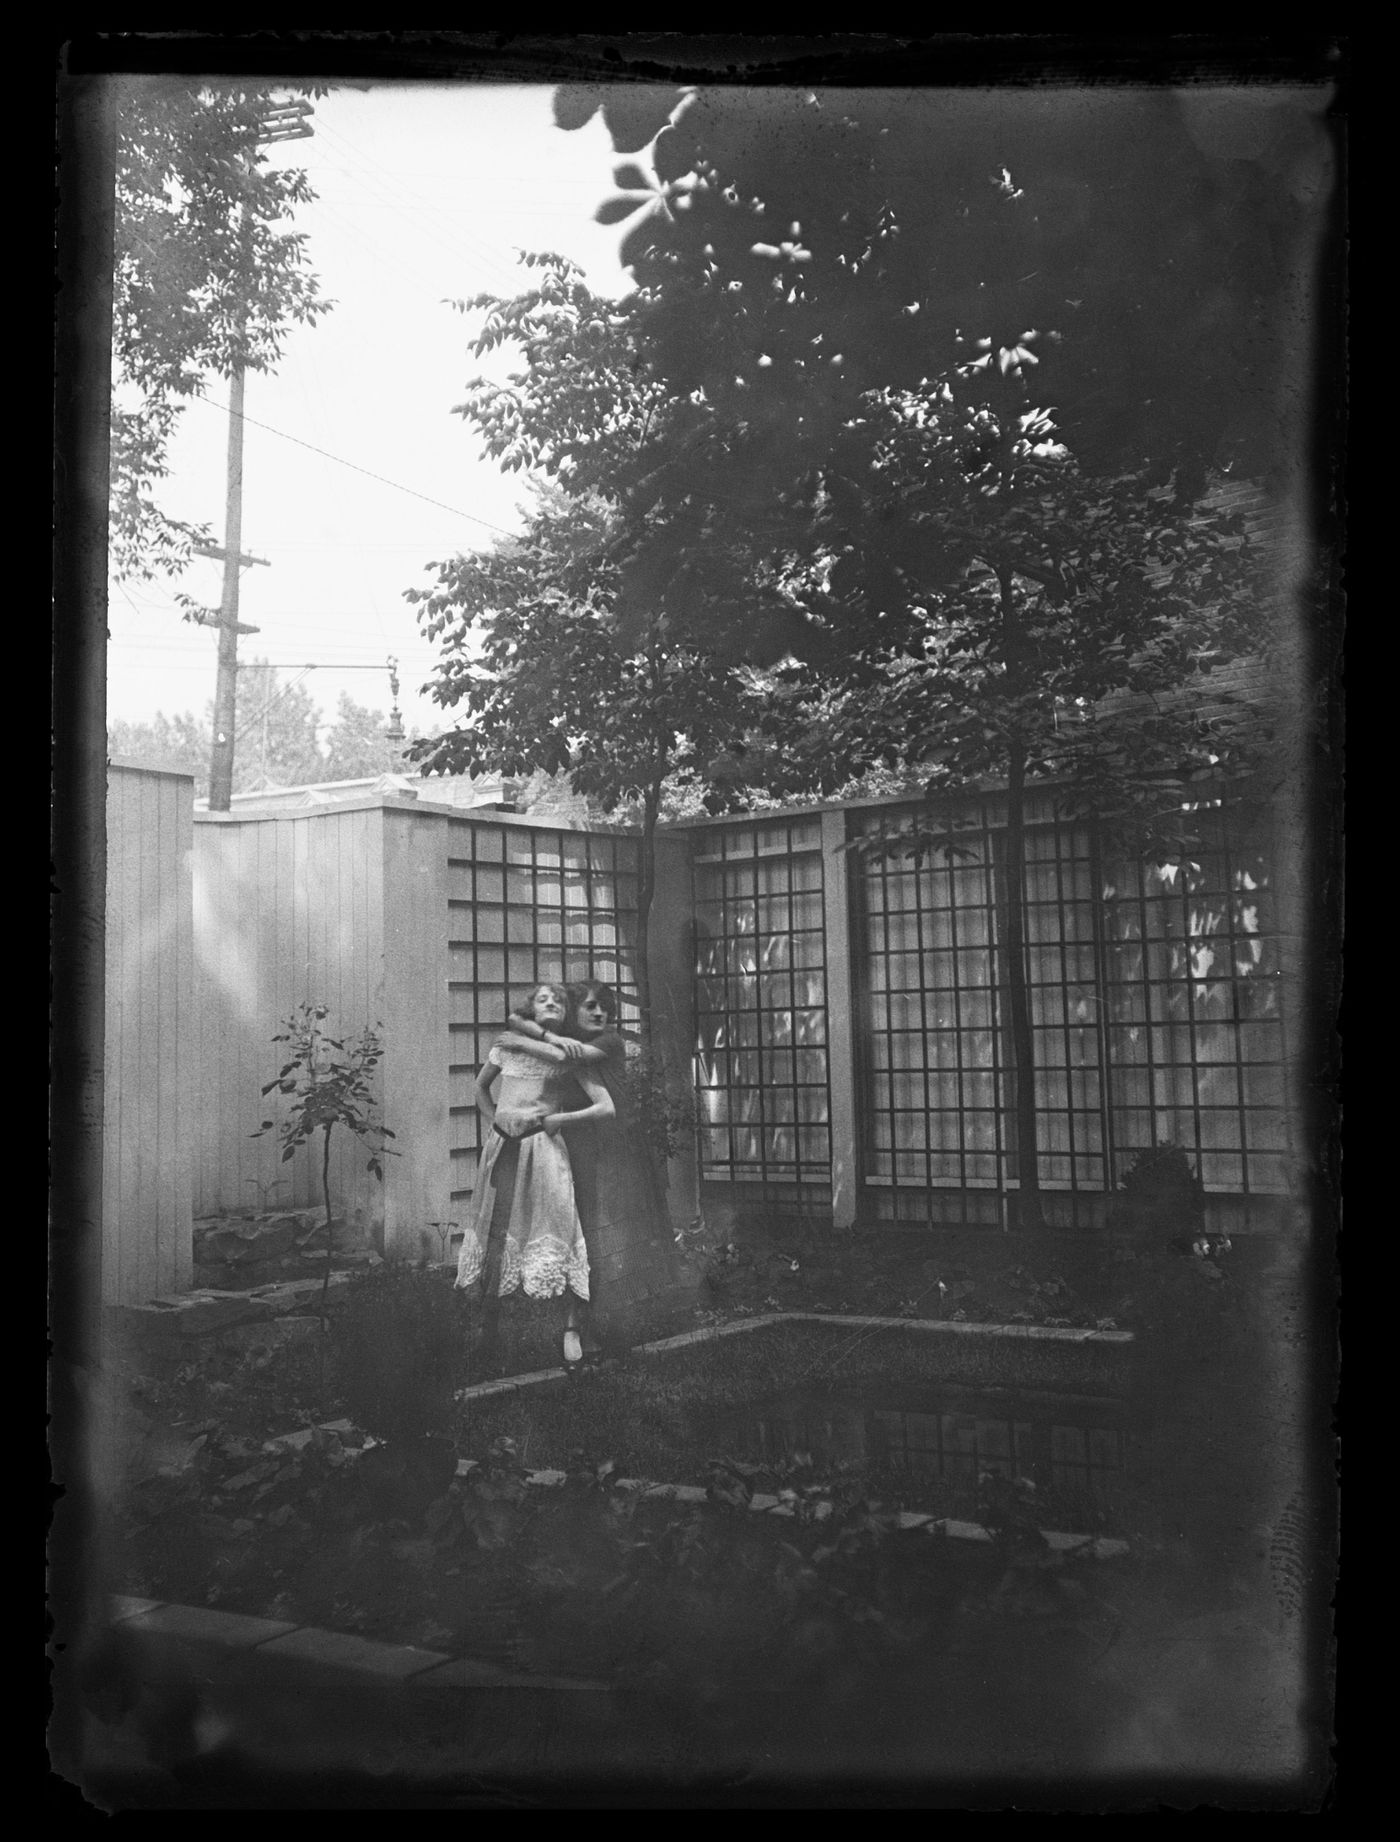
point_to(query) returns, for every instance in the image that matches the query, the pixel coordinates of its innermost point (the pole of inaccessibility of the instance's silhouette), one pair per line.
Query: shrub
(665, 1109)
(1161, 1180)
(400, 1343)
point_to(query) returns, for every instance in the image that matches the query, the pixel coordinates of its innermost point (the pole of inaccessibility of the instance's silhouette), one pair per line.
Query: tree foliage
(276, 737)
(357, 745)
(534, 659)
(208, 278)
(1132, 259)
(950, 378)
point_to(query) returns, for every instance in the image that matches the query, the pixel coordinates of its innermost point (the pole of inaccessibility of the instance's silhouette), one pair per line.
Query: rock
(241, 1277)
(192, 1317)
(236, 1242)
(298, 1294)
(271, 1333)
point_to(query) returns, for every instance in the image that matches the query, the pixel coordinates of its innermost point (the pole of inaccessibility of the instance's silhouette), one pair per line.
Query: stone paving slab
(1049, 1333)
(204, 1624)
(506, 1384)
(466, 1672)
(339, 1651)
(294, 1441)
(191, 1315)
(125, 1606)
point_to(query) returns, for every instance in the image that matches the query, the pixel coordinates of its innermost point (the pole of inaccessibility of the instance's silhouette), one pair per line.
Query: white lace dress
(542, 1251)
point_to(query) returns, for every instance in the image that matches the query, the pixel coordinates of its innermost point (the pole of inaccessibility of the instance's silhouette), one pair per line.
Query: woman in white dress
(522, 1229)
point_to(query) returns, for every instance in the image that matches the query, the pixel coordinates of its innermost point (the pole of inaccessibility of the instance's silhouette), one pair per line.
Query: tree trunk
(1017, 983)
(1018, 995)
(326, 1194)
(646, 888)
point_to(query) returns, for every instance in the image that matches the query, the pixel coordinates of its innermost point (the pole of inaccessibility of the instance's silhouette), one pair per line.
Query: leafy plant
(667, 1109)
(328, 1080)
(1161, 1179)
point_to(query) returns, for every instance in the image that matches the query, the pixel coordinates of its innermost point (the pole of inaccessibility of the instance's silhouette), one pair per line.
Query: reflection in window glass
(758, 896)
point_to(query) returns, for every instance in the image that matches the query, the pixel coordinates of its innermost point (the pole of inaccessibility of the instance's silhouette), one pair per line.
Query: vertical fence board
(417, 1182)
(840, 1029)
(149, 1050)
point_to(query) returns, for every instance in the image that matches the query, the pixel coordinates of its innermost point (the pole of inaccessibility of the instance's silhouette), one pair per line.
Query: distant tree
(180, 743)
(277, 728)
(277, 731)
(207, 277)
(357, 746)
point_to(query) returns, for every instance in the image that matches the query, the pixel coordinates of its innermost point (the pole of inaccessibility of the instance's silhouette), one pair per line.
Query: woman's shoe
(573, 1350)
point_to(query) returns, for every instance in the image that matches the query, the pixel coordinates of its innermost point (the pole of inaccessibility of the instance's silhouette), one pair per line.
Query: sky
(424, 195)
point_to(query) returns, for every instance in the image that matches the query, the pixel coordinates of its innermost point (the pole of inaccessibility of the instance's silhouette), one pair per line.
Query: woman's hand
(553, 1122)
(573, 1049)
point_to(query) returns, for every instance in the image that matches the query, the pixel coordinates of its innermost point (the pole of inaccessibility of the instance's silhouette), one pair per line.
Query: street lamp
(394, 730)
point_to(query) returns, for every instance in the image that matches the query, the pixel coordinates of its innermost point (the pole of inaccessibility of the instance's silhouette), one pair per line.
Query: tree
(1010, 621)
(328, 1082)
(945, 396)
(533, 662)
(276, 735)
(1141, 256)
(207, 279)
(357, 745)
(533, 654)
(180, 743)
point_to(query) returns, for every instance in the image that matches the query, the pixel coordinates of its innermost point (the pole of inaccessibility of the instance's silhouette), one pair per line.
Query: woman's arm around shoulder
(524, 1033)
(529, 1045)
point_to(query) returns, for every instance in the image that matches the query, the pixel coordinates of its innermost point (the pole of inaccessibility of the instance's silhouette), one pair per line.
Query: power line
(356, 468)
(374, 174)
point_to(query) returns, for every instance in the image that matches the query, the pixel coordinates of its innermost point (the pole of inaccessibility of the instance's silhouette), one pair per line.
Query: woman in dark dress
(635, 1274)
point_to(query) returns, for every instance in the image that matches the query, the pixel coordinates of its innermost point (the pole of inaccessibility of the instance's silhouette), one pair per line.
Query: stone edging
(342, 1656)
(1046, 1333)
(332, 1656)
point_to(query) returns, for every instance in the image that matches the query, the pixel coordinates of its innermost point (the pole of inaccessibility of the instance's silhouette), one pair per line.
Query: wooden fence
(147, 1110)
(843, 1012)
(398, 914)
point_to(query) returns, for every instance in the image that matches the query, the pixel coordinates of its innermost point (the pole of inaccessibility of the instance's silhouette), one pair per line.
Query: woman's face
(548, 1006)
(591, 1017)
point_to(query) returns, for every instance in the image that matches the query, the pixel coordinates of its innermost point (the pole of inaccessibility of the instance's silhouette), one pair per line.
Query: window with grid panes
(1195, 1032)
(1087, 1459)
(1062, 975)
(761, 1057)
(933, 1113)
(526, 906)
(1154, 1008)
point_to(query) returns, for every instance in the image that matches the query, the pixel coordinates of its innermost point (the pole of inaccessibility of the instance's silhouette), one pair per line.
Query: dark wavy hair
(579, 989)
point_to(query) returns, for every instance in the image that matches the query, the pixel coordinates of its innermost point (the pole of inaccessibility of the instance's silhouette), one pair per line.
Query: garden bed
(588, 1579)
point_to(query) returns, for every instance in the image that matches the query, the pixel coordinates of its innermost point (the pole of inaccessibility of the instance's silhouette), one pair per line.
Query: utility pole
(285, 122)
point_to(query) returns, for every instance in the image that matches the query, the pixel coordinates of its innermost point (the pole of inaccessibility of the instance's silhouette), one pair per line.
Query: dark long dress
(638, 1284)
